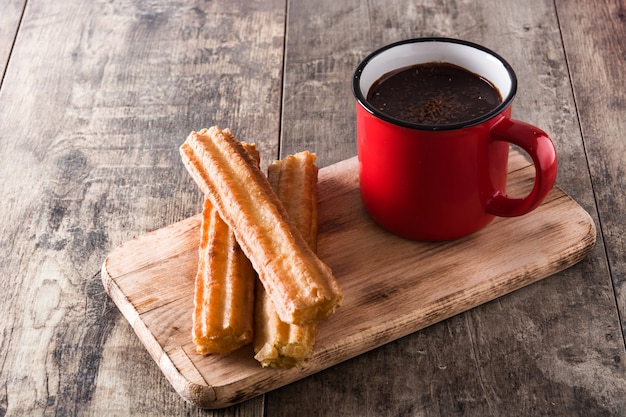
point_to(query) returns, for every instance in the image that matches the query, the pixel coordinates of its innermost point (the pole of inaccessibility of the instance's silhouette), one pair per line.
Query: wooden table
(97, 96)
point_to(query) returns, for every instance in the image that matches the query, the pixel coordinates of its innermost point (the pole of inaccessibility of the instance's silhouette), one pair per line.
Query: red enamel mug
(443, 182)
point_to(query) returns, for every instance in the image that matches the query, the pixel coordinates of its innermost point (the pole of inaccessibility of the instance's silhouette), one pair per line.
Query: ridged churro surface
(278, 344)
(294, 179)
(224, 286)
(301, 286)
(224, 289)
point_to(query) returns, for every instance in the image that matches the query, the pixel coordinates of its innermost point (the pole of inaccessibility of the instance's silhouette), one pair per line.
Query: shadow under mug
(442, 182)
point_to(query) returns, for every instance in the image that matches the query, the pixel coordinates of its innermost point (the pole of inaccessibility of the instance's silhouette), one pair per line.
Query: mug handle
(541, 149)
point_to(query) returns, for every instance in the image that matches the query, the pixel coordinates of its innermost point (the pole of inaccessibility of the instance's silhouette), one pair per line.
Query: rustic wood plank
(96, 101)
(456, 367)
(595, 45)
(9, 24)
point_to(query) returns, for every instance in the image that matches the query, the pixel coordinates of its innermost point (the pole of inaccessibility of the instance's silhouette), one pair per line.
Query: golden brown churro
(301, 286)
(278, 344)
(224, 287)
(294, 179)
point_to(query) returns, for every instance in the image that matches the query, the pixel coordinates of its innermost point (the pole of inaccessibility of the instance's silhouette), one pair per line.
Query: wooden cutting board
(392, 286)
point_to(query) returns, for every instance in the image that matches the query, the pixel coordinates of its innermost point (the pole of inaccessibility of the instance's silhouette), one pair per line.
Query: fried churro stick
(278, 344)
(224, 286)
(294, 179)
(301, 286)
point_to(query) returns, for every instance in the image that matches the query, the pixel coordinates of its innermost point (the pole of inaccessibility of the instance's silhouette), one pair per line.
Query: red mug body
(443, 182)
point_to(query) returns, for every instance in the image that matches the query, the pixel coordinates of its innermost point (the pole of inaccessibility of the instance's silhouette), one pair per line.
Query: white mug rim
(362, 100)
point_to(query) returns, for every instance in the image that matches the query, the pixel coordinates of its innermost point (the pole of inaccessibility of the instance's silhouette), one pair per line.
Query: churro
(301, 286)
(224, 286)
(278, 344)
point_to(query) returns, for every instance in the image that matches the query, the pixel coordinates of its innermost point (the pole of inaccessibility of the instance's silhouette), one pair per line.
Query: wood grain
(9, 24)
(597, 60)
(392, 286)
(96, 100)
(495, 359)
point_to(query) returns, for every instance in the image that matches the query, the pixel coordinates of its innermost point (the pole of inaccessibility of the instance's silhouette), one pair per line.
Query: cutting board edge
(200, 394)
